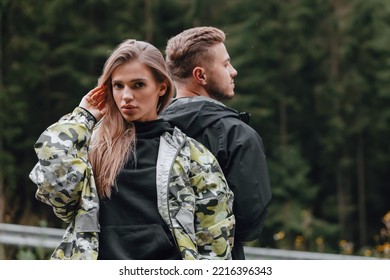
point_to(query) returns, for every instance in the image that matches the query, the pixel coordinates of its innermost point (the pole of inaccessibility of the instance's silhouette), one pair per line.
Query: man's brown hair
(191, 48)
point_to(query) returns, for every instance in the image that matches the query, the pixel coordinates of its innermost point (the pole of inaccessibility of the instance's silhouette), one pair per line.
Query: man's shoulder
(195, 101)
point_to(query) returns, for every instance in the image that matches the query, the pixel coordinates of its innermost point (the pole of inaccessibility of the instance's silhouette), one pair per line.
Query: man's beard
(216, 92)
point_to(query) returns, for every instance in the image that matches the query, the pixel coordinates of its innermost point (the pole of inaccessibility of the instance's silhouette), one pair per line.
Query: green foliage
(33, 254)
(291, 211)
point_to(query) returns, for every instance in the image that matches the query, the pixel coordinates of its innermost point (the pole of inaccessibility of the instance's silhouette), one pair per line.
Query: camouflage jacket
(193, 196)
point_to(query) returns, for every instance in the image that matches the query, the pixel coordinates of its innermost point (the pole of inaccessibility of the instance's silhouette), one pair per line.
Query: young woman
(130, 185)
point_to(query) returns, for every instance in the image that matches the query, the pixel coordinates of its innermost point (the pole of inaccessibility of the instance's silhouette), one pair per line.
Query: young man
(200, 67)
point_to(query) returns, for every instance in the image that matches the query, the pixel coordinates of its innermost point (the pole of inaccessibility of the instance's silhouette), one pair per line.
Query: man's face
(220, 74)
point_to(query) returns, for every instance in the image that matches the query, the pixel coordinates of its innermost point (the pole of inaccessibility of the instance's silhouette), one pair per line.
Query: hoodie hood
(194, 114)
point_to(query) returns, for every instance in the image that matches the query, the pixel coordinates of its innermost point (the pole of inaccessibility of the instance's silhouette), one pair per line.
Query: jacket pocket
(142, 242)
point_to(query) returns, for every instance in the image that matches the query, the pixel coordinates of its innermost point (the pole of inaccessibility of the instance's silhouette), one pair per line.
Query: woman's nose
(128, 94)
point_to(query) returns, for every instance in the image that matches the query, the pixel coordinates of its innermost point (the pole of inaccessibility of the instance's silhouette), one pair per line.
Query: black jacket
(240, 152)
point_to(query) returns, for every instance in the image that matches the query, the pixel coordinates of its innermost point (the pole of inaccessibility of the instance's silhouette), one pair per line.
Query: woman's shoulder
(180, 137)
(180, 140)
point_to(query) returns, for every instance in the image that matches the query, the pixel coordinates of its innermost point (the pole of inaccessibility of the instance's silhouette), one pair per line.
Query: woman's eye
(117, 86)
(138, 85)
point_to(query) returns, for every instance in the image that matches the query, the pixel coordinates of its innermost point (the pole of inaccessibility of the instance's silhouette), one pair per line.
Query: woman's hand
(95, 102)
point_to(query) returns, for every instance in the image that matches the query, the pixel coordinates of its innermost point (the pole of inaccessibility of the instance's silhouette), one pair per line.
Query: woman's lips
(128, 109)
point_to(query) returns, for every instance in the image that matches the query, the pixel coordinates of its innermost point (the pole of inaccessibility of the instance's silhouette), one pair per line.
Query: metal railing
(21, 235)
(12, 234)
(255, 253)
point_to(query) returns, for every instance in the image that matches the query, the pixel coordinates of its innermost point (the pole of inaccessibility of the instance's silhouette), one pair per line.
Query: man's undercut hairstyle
(191, 48)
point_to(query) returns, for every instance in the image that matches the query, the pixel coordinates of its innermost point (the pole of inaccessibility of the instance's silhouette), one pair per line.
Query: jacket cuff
(84, 116)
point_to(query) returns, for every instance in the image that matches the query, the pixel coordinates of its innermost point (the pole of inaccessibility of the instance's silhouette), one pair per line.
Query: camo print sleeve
(214, 219)
(63, 169)
(200, 201)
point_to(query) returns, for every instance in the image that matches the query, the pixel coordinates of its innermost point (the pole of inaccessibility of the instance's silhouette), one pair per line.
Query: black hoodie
(240, 153)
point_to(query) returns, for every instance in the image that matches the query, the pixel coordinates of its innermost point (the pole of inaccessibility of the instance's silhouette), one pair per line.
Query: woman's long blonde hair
(113, 138)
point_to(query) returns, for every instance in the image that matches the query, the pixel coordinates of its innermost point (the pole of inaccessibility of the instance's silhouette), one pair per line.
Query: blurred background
(314, 74)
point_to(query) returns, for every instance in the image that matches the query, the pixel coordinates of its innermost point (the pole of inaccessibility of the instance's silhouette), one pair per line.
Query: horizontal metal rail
(43, 237)
(255, 253)
(12, 234)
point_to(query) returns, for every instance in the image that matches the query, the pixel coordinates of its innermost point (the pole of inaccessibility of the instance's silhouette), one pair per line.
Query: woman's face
(136, 91)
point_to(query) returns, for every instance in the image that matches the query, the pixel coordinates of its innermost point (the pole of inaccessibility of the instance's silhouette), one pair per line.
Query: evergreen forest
(313, 74)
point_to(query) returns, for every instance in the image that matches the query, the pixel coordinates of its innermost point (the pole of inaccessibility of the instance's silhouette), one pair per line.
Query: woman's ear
(163, 89)
(199, 75)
